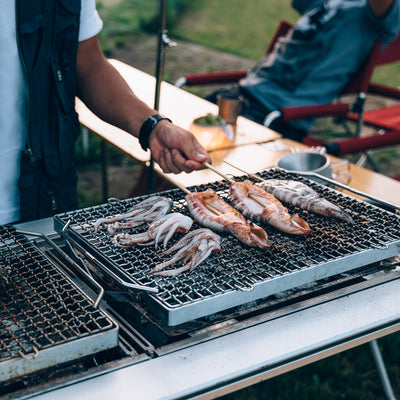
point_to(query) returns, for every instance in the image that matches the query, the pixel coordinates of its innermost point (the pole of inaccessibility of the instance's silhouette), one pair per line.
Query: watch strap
(147, 127)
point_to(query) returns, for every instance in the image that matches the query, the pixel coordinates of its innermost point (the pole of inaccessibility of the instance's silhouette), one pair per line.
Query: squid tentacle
(193, 249)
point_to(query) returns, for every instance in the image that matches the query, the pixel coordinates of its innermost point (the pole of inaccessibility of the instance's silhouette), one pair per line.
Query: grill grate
(40, 307)
(237, 266)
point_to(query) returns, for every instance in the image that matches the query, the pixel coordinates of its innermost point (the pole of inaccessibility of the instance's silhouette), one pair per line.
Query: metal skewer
(185, 189)
(245, 172)
(256, 199)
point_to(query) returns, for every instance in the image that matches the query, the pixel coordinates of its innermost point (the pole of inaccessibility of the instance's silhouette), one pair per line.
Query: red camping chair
(358, 86)
(385, 120)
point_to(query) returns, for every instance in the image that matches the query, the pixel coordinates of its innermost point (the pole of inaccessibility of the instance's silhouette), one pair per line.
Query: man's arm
(105, 92)
(380, 7)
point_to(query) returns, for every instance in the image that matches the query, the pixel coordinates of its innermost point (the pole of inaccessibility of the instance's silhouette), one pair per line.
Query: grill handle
(385, 204)
(70, 260)
(114, 276)
(106, 270)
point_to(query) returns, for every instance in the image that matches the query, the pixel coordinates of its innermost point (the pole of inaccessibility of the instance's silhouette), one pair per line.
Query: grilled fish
(257, 204)
(301, 195)
(224, 218)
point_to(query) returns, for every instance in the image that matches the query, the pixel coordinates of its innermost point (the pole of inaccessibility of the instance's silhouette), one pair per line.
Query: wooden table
(255, 148)
(181, 106)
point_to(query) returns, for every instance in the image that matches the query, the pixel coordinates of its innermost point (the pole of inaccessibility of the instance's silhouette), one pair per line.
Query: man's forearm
(105, 92)
(380, 7)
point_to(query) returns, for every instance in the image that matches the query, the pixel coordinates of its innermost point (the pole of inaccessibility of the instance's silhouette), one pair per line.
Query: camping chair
(385, 120)
(342, 111)
(357, 87)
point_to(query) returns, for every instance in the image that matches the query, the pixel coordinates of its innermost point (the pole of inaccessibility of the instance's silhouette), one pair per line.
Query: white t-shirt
(13, 96)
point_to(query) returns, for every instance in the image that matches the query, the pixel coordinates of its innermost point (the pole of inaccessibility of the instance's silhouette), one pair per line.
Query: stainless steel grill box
(239, 274)
(45, 319)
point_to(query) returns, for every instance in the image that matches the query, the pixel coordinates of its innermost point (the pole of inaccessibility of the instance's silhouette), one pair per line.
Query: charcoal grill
(239, 274)
(213, 355)
(45, 319)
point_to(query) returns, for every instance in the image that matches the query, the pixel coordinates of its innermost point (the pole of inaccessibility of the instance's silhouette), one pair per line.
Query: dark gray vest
(47, 32)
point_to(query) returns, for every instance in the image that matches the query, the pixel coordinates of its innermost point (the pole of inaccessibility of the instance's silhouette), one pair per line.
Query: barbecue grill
(239, 275)
(45, 319)
(241, 316)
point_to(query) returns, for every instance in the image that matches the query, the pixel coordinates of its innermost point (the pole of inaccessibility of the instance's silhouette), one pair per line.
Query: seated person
(317, 58)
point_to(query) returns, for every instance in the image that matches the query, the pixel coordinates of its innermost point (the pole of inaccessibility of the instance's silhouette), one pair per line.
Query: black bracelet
(147, 128)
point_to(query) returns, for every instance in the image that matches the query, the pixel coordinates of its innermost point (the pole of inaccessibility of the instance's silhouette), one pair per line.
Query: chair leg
(387, 387)
(104, 170)
(367, 158)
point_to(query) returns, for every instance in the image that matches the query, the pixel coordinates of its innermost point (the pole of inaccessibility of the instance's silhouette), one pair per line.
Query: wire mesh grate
(40, 307)
(238, 266)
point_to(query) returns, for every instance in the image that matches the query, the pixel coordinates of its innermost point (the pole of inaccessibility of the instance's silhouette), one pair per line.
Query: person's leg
(288, 131)
(229, 92)
(255, 111)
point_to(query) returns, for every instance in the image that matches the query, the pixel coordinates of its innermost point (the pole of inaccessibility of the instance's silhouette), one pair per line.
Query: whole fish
(211, 211)
(301, 195)
(257, 204)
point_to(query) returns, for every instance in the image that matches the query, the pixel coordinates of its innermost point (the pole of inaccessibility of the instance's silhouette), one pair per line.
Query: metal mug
(230, 107)
(307, 162)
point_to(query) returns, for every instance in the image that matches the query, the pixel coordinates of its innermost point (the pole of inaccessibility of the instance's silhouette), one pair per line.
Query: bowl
(307, 162)
(210, 132)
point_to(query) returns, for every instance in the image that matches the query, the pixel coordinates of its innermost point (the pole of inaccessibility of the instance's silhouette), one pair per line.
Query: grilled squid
(160, 230)
(300, 195)
(257, 204)
(209, 210)
(193, 248)
(144, 212)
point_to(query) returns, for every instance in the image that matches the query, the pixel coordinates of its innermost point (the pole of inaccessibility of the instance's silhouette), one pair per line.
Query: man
(317, 58)
(49, 53)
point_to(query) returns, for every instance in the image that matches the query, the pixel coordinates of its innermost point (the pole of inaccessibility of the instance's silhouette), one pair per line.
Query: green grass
(212, 23)
(350, 375)
(235, 26)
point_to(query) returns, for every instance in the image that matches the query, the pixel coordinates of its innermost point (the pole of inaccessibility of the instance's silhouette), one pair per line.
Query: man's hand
(176, 149)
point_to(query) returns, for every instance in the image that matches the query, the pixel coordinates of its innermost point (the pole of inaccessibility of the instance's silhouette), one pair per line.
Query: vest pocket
(59, 155)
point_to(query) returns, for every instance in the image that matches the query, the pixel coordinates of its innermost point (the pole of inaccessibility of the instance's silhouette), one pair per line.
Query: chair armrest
(384, 90)
(211, 78)
(357, 145)
(315, 111)
(308, 112)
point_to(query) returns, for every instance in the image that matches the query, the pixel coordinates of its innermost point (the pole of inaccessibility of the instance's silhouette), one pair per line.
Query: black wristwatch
(147, 127)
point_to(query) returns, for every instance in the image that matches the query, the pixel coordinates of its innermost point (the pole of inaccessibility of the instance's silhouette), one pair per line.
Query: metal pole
(160, 52)
(163, 42)
(387, 387)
